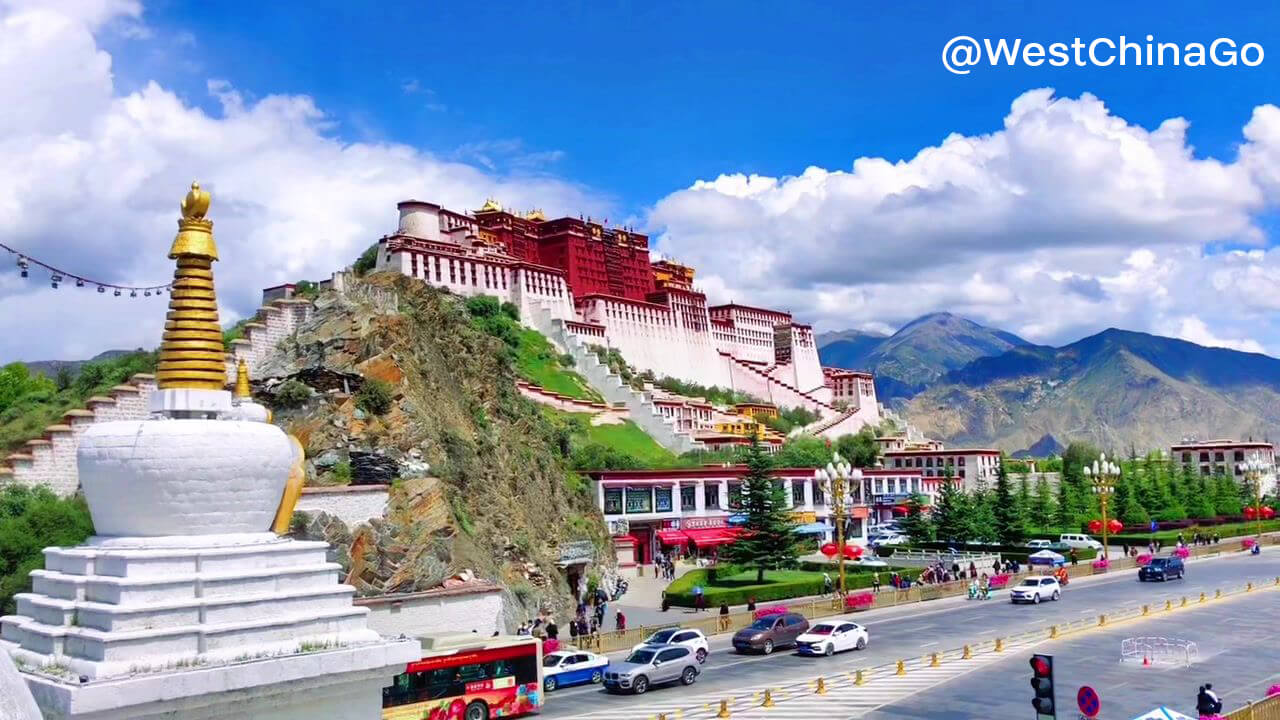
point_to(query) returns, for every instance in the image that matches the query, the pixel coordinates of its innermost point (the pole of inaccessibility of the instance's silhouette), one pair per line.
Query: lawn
(736, 588)
(538, 362)
(627, 437)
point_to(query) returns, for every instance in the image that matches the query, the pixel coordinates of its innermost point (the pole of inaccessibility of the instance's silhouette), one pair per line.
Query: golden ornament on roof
(490, 205)
(242, 392)
(192, 354)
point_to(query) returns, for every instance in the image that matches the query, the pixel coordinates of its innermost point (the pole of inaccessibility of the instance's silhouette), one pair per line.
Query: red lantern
(1268, 512)
(1115, 526)
(852, 552)
(1095, 526)
(828, 549)
(1250, 513)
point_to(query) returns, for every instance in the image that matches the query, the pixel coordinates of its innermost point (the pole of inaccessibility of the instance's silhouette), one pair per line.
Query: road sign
(1154, 526)
(1088, 701)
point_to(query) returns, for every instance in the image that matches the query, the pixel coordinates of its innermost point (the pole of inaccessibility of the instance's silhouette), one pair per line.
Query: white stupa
(186, 603)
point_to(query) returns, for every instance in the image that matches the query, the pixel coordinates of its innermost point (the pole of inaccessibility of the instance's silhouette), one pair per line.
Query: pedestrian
(724, 609)
(955, 569)
(553, 632)
(875, 581)
(995, 567)
(751, 603)
(973, 570)
(620, 621)
(1179, 538)
(1075, 559)
(573, 631)
(666, 601)
(700, 602)
(1216, 538)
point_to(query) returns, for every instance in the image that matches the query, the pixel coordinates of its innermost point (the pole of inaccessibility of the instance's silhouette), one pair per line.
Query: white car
(1035, 589)
(831, 637)
(882, 528)
(873, 563)
(563, 668)
(1079, 541)
(692, 639)
(888, 539)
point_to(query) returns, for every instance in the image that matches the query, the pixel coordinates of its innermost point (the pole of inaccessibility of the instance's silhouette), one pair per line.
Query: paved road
(1237, 653)
(910, 632)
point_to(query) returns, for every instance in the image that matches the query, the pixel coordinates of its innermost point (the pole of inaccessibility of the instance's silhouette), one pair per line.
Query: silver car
(651, 665)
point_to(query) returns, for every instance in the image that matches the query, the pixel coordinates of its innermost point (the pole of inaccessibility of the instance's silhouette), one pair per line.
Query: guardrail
(813, 609)
(1268, 709)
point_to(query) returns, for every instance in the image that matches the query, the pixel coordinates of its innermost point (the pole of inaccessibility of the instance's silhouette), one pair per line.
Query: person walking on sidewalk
(875, 581)
(620, 621)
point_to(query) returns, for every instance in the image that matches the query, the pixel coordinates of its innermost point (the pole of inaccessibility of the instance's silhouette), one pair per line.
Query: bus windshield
(506, 675)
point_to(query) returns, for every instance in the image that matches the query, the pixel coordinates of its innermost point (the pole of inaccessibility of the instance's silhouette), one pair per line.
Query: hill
(1116, 389)
(918, 354)
(49, 368)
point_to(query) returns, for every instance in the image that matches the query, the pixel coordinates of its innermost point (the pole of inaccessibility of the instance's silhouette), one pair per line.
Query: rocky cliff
(479, 485)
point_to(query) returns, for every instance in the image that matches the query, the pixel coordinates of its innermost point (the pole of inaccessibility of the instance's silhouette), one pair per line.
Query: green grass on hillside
(609, 447)
(538, 362)
(629, 438)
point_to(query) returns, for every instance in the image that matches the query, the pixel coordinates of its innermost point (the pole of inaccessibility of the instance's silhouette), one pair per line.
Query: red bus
(463, 676)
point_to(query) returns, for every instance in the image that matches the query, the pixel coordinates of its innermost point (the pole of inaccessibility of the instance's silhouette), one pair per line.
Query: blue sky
(636, 99)
(805, 156)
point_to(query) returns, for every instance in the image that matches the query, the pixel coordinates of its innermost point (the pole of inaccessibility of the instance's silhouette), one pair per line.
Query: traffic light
(1042, 683)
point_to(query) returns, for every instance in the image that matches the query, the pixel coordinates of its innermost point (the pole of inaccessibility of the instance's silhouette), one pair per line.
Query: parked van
(1079, 541)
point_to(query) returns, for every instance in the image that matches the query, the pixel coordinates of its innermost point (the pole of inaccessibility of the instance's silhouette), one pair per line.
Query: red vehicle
(466, 677)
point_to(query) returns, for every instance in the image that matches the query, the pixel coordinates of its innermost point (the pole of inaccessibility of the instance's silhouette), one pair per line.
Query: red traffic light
(1041, 665)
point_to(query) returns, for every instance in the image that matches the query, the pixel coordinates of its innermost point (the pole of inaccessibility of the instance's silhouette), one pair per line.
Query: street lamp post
(1103, 474)
(834, 480)
(1253, 468)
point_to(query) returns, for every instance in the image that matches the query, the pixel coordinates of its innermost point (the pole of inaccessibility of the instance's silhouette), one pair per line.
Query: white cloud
(1193, 329)
(1066, 221)
(90, 180)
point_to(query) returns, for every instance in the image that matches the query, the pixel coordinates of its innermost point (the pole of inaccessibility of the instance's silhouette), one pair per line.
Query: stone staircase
(611, 386)
(782, 393)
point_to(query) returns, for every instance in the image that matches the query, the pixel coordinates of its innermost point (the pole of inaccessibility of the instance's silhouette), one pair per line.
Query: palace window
(711, 496)
(688, 497)
(735, 497)
(639, 500)
(612, 501)
(797, 491)
(662, 499)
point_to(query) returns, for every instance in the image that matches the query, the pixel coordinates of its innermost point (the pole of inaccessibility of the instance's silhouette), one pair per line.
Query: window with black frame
(612, 501)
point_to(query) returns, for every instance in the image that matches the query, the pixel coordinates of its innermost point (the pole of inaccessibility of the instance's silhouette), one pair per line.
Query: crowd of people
(589, 621)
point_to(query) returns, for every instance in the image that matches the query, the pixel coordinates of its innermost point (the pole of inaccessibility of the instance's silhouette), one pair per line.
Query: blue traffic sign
(1089, 702)
(1154, 526)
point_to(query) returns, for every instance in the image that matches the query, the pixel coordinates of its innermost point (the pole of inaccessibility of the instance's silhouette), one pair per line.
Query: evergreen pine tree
(1043, 506)
(1064, 514)
(981, 515)
(1023, 502)
(1009, 529)
(769, 540)
(1226, 496)
(951, 516)
(916, 524)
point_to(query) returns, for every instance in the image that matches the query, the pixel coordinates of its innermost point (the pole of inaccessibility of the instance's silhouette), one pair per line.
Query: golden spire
(490, 205)
(242, 382)
(192, 355)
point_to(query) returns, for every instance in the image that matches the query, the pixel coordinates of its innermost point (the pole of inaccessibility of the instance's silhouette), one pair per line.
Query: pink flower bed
(1144, 559)
(1247, 543)
(1101, 564)
(998, 581)
(766, 612)
(1182, 552)
(861, 600)
(1273, 690)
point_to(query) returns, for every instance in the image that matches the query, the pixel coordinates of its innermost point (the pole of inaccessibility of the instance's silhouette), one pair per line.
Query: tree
(1064, 514)
(32, 519)
(803, 451)
(1043, 506)
(1132, 512)
(1226, 498)
(1009, 527)
(769, 540)
(367, 260)
(1023, 502)
(916, 525)
(861, 449)
(952, 516)
(982, 516)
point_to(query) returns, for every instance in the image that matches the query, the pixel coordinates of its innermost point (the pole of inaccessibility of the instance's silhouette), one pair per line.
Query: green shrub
(567, 360)
(292, 394)
(374, 397)
(32, 519)
(367, 260)
(735, 590)
(341, 473)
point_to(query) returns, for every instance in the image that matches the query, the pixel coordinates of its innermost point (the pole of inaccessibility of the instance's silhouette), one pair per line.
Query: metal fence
(1159, 651)
(1268, 709)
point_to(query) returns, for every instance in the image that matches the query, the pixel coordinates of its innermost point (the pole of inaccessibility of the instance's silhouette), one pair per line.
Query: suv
(692, 639)
(1079, 541)
(1034, 589)
(652, 665)
(1162, 569)
(770, 632)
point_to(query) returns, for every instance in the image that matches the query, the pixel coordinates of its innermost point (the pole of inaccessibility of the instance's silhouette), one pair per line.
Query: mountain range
(49, 368)
(971, 385)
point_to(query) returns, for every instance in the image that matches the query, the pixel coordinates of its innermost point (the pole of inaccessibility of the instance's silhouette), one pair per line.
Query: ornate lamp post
(1103, 475)
(834, 479)
(1253, 469)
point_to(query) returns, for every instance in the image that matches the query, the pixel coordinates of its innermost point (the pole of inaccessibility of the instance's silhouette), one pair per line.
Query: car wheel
(830, 650)
(862, 643)
(476, 711)
(701, 655)
(689, 676)
(549, 684)
(1180, 574)
(1056, 596)
(640, 684)
(1035, 599)
(768, 647)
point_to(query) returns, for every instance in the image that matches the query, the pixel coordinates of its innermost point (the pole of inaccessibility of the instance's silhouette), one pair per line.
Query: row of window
(659, 499)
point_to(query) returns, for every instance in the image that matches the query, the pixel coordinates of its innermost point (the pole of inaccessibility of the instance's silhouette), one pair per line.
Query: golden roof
(490, 205)
(535, 215)
(191, 353)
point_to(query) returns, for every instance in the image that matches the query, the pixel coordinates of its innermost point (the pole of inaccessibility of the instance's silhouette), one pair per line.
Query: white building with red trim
(1214, 457)
(967, 465)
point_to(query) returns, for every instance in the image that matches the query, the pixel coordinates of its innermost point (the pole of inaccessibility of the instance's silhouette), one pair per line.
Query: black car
(1162, 569)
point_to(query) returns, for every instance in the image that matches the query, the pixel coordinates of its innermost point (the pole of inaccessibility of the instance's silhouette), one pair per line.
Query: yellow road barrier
(1202, 598)
(999, 645)
(1184, 601)
(1146, 610)
(724, 709)
(768, 699)
(1248, 587)
(1053, 632)
(1102, 620)
(902, 668)
(968, 654)
(859, 679)
(822, 687)
(1217, 594)
(934, 662)
(1168, 604)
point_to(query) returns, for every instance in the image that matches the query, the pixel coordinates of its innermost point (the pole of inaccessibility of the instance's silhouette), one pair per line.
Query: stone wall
(273, 322)
(476, 605)
(353, 504)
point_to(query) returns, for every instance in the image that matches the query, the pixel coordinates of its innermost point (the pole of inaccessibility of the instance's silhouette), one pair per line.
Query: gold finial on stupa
(242, 391)
(192, 355)
(490, 205)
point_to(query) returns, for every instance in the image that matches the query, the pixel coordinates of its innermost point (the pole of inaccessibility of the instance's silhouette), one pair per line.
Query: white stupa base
(341, 684)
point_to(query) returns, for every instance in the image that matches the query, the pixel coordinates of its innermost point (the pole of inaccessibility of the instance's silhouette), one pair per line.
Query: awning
(902, 509)
(671, 536)
(815, 528)
(713, 537)
(1162, 713)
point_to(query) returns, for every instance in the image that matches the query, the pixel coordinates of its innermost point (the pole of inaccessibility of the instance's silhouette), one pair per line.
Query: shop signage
(703, 523)
(891, 499)
(804, 518)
